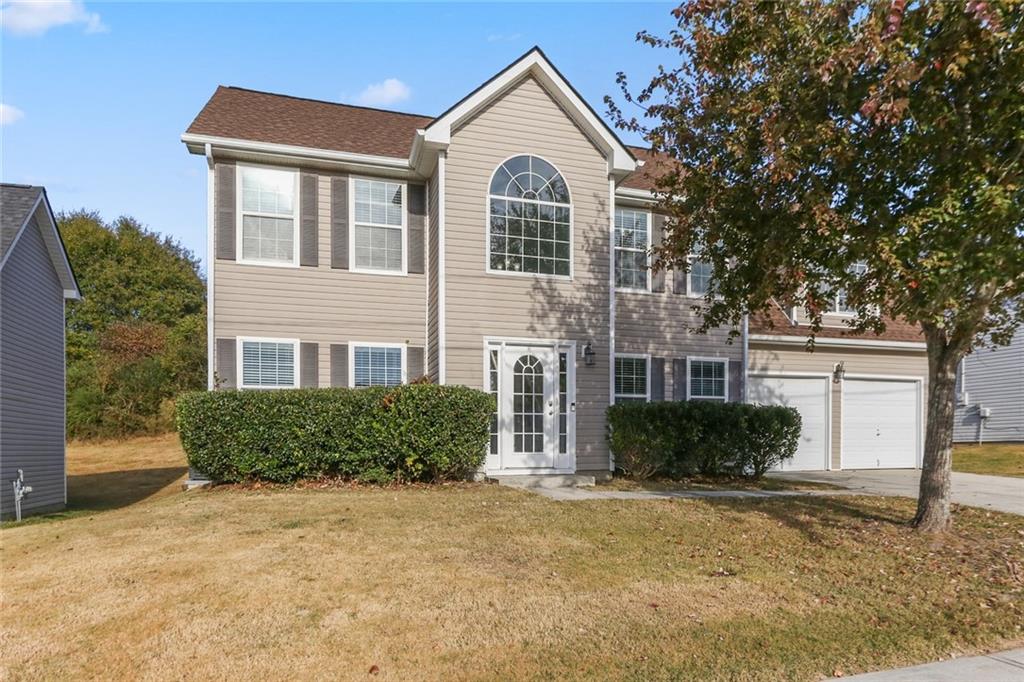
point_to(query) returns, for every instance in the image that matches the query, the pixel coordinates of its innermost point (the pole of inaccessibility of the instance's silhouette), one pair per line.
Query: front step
(545, 481)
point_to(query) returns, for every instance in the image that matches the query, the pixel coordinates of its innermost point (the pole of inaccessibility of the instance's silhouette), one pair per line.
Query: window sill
(386, 273)
(266, 263)
(538, 275)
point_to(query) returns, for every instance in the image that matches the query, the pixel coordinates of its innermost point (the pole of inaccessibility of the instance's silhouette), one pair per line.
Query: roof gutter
(830, 341)
(198, 143)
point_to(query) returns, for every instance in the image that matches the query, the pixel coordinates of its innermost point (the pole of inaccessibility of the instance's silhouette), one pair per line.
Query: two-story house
(501, 245)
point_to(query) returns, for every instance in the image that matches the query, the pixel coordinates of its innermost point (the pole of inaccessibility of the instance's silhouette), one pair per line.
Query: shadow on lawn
(810, 515)
(116, 489)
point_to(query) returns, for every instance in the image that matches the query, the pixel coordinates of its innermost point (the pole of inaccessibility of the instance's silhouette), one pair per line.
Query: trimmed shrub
(710, 438)
(419, 432)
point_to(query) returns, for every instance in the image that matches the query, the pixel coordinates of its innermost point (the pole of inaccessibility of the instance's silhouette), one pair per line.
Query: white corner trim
(42, 202)
(210, 259)
(689, 383)
(856, 343)
(442, 341)
(438, 132)
(239, 145)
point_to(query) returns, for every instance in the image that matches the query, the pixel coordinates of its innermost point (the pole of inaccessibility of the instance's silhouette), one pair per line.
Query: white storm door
(528, 412)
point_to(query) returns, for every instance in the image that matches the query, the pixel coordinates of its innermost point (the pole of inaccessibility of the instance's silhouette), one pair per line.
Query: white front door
(529, 407)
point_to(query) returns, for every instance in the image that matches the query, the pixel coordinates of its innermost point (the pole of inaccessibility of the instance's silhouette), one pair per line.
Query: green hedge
(409, 433)
(701, 437)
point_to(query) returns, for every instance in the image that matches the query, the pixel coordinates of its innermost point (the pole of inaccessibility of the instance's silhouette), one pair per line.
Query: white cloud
(386, 92)
(36, 17)
(503, 37)
(9, 114)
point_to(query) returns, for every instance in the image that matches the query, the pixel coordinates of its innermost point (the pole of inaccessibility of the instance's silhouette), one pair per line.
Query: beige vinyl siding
(318, 304)
(433, 280)
(32, 367)
(526, 120)
(780, 358)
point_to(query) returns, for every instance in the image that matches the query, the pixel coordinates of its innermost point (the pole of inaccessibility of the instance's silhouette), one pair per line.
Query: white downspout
(611, 304)
(745, 345)
(442, 341)
(210, 257)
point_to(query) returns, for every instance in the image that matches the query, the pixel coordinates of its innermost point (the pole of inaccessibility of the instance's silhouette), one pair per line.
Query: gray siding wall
(318, 304)
(526, 120)
(32, 367)
(993, 379)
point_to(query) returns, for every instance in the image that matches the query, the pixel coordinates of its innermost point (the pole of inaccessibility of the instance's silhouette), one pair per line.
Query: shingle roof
(646, 175)
(776, 323)
(245, 114)
(16, 203)
(281, 119)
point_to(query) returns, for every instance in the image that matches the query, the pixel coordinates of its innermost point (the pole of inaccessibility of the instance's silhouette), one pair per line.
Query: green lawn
(477, 581)
(997, 459)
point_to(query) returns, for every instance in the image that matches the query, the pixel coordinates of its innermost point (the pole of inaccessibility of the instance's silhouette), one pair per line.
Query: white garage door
(809, 395)
(881, 424)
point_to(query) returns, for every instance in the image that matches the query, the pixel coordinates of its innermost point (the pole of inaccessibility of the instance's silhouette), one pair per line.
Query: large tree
(798, 139)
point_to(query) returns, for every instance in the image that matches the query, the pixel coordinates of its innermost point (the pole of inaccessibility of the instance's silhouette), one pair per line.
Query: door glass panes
(493, 390)
(563, 403)
(528, 405)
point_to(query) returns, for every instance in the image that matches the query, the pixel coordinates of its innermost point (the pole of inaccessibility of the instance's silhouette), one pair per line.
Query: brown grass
(996, 459)
(477, 581)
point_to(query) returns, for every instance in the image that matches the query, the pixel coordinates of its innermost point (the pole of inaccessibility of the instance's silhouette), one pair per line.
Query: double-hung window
(708, 379)
(379, 226)
(268, 214)
(837, 301)
(631, 378)
(699, 277)
(268, 363)
(632, 242)
(377, 365)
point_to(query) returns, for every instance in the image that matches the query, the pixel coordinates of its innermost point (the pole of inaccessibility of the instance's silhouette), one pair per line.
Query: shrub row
(710, 438)
(408, 433)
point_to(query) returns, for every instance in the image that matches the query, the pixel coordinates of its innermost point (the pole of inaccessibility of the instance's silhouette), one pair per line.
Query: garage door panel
(881, 424)
(809, 396)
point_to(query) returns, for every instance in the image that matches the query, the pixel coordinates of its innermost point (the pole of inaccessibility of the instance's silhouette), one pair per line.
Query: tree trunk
(933, 500)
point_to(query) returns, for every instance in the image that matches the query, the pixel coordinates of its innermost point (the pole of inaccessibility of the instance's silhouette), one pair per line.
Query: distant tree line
(138, 336)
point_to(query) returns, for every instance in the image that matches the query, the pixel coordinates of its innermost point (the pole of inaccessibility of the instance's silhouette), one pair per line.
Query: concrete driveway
(1001, 493)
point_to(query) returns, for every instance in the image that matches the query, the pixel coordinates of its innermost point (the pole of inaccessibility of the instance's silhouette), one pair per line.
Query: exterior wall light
(838, 372)
(589, 354)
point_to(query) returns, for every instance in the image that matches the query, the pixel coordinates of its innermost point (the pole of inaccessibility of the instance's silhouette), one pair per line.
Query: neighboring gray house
(990, 394)
(35, 279)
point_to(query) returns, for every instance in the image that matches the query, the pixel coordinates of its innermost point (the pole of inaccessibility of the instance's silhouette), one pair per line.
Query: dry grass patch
(996, 459)
(482, 582)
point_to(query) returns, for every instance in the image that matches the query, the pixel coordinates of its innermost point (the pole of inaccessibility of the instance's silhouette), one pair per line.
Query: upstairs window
(632, 242)
(530, 226)
(631, 379)
(268, 213)
(377, 366)
(378, 234)
(268, 363)
(837, 303)
(699, 276)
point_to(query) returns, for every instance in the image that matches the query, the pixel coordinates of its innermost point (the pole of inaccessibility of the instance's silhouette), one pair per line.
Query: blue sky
(94, 96)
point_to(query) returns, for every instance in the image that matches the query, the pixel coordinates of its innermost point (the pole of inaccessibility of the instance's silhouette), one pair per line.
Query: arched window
(530, 222)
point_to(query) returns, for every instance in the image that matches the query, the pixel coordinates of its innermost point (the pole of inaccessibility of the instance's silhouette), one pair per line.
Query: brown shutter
(225, 366)
(224, 217)
(735, 379)
(339, 365)
(417, 227)
(657, 233)
(414, 362)
(308, 211)
(679, 281)
(309, 361)
(339, 222)
(657, 379)
(679, 379)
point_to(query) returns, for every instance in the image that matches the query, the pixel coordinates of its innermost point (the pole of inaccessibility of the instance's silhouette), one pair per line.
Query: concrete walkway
(1005, 666)
(1001, 493)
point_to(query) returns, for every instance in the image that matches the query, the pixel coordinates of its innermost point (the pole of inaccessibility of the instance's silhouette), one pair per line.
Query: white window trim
(647, 251)
(239, 217)
(646, 357)
(689, 378)
(689, 276)
(487, 223)
(352, 267)
(240, 361)
(373, 344)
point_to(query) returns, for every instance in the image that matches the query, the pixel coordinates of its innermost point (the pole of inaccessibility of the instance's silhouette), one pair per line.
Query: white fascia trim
(210, 213)
(74, 294)
(235, 144)
(442, 341)
(619, 158)
(638, 194)
(856, 343)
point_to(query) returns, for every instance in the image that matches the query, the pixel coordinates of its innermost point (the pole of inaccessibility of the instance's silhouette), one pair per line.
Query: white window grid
(707, 375)
(272, 211)
(376, 364)
(632, 248)
(378, 240)
(632, 377)
(276, 363)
